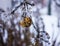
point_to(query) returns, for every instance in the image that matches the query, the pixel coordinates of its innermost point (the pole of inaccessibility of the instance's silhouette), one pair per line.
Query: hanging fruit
(26, 22)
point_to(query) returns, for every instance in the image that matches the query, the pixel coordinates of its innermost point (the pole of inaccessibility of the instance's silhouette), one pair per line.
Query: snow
(51, 23)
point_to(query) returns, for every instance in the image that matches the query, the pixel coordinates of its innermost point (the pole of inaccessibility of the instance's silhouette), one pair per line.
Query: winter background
(48, 10)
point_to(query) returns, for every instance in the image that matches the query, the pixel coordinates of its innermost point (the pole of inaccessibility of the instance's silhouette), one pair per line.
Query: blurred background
(29, 22)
